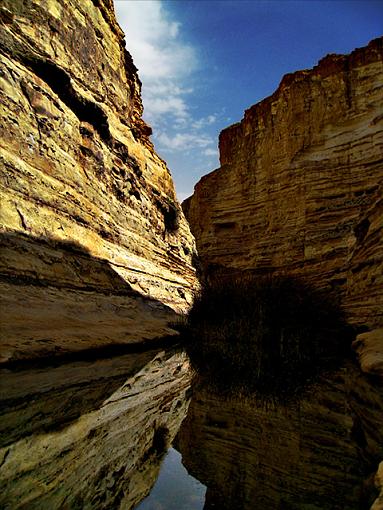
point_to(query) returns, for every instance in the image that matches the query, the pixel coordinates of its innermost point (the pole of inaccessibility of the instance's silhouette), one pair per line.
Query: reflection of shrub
(267, 335)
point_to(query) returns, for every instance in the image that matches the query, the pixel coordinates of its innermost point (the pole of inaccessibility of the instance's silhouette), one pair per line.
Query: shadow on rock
(57, 298)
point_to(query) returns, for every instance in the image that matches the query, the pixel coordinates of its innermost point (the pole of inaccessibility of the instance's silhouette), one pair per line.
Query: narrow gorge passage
(226, 353)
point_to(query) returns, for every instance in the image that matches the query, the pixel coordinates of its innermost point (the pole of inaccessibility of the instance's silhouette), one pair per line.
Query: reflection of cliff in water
(89, 434)
(308, 455)
(92, 434)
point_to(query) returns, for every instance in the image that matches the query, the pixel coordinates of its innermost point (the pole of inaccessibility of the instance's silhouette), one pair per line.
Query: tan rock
(88, 210)
(378, 503)
(299, 186)
(364, 293)
(369, 347)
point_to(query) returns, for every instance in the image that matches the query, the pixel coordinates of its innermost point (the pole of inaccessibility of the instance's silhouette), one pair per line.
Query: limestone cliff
(299, 188)
(95, 247)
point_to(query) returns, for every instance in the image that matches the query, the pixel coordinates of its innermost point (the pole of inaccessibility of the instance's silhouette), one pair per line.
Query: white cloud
(184, 141)
(159, 105)
(167, 66)
(204, 121)
(164, 61)
(211, 152)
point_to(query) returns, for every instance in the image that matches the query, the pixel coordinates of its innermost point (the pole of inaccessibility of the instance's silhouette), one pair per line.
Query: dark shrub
(271, 335)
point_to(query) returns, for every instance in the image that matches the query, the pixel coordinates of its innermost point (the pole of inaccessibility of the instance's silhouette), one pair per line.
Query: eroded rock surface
(90, 226)
(89, 434)
(299, 188)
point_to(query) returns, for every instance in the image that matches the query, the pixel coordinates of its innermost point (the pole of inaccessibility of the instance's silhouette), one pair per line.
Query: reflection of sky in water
(174, 489)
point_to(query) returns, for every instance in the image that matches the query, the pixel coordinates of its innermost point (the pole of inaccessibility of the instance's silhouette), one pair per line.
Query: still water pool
(130, 432)
(174, 489)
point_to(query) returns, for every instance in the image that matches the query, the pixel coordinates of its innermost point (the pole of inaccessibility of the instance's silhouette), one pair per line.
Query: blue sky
(203, 62)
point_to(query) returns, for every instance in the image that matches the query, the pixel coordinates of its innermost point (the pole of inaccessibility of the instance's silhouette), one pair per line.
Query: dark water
(129, 432)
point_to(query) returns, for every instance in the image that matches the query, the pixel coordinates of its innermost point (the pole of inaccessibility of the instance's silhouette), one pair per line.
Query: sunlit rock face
(309, 454)
(299, 188)
(90, 225)
(89, 434)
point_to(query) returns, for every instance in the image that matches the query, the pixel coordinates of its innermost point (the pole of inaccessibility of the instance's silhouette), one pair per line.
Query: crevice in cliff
(22, 219)
(170, 214)
(347, 81)
(5, 457)
(123, 154)
(361, 230)
(59, 81)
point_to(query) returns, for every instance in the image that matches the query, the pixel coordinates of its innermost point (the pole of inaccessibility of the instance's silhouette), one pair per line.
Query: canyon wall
(299, 194)
(300, 185)
(94, 246)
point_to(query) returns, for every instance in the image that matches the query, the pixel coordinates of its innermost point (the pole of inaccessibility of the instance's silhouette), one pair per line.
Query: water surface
(131, 432)
(174, 489)
(89, 434)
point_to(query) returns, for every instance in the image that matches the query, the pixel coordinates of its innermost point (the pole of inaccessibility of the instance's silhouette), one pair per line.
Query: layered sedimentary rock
(299, 194)
(299, 188)
(92, 235)
(364, 286)
(89, 434)
(308, 454)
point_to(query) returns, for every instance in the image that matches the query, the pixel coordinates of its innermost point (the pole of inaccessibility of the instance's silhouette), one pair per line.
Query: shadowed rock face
(58, 298)
(89, 434)
(79, 173)
(312, 454)
(299, 188)
(299, 194)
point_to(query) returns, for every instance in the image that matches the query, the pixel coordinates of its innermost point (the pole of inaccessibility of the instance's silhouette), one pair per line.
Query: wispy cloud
(164, 61)
(211, 152)
(184, 133)
(184, 141)
(204, 121)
